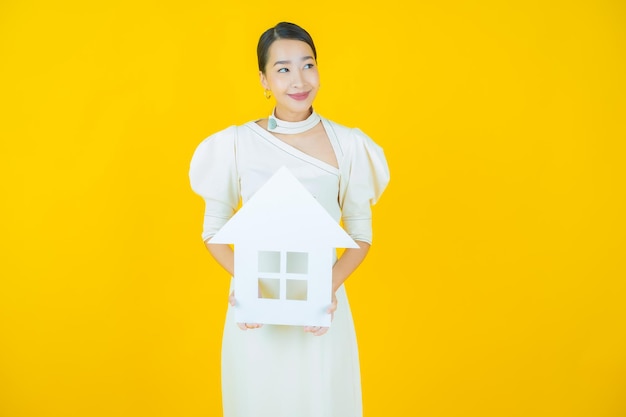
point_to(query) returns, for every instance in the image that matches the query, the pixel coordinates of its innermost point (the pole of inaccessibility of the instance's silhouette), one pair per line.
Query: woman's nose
(296, 81)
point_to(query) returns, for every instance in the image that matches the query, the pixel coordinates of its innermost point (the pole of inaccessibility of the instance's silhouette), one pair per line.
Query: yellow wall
(495, 287)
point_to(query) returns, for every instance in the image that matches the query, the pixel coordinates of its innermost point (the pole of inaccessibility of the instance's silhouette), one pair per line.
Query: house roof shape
(283, 214)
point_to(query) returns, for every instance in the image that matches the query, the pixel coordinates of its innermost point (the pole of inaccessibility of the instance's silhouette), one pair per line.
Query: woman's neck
(292, 116)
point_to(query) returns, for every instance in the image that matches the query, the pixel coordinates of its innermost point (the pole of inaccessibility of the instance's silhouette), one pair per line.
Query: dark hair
(283, 30)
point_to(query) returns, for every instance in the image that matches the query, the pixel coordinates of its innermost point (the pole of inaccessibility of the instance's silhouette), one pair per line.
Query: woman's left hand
(320, 330)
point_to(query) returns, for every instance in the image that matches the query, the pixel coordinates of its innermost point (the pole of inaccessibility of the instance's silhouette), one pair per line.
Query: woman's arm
(348, 263)
(343, 268)
(225, 256)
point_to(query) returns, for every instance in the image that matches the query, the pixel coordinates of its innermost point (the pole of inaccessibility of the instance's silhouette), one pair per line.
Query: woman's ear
(263, 80)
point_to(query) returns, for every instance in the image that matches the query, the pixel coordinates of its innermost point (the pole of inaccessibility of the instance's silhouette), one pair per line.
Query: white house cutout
(284, 244)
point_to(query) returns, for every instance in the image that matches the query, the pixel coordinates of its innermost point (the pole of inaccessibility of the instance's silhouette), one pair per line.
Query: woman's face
(291, 74)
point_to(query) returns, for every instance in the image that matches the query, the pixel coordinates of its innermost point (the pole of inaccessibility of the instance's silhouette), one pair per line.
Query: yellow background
(495, 286)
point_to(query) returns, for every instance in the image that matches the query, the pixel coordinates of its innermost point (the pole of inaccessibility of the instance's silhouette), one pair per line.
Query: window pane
(269, 288)
(297, 262)
(296, 289)
(269, 261)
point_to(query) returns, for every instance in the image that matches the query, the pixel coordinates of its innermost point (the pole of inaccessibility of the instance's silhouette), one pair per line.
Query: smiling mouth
(299, 96)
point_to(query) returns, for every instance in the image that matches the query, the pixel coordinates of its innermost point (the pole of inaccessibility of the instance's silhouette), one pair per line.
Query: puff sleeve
(213, 175)
(364, 177)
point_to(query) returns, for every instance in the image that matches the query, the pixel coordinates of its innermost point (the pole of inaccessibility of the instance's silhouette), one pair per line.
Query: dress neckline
(297, 152)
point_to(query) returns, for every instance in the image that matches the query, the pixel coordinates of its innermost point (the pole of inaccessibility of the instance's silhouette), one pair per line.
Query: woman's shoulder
(339, 129)
(217, 144)
(363, 162)
(350, 137)
(231, 133)
(225, 134)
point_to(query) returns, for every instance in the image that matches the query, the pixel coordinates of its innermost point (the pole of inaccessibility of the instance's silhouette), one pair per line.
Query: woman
(286, 370)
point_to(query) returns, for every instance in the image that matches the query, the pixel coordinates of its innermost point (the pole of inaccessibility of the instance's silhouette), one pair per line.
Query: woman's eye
(309, 66)
(283, 70)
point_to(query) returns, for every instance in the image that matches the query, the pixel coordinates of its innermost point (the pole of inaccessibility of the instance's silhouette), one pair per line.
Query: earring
(267, 93)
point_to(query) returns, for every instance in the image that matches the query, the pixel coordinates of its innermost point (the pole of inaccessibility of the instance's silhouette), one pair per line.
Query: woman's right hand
(243, 326)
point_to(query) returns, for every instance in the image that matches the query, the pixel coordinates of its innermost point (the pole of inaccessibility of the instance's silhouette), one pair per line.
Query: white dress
(281, 371)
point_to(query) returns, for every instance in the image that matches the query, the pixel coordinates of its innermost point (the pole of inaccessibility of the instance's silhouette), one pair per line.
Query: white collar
(276, 125)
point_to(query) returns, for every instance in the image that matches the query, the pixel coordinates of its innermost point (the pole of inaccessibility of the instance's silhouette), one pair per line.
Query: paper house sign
(284, 242)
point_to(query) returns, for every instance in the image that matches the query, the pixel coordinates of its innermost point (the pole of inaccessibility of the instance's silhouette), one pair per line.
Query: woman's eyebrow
(304, 58)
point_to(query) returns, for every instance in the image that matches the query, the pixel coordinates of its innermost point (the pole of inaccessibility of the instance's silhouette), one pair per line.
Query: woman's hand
(347, 263)
(243, 326)
(320, 330)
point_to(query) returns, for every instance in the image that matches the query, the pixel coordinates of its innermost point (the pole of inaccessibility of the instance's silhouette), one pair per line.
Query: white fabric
(280, 370)
(276, 125)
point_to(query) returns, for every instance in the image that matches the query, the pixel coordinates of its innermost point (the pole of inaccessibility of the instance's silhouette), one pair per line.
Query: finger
(321, 331)
(231, 299)
(242, 326)
(332, 307)
(312, 329)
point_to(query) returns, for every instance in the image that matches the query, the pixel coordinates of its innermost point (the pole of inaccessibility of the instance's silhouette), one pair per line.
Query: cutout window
(269, 261)
(269, 288)
(297, 289)
(283, 275)
(297, 262)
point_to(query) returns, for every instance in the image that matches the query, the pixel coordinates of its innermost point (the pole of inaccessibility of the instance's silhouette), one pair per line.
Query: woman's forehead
(289, 48)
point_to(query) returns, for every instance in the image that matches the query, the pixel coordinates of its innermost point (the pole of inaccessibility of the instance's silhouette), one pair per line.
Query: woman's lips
(299, 96)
